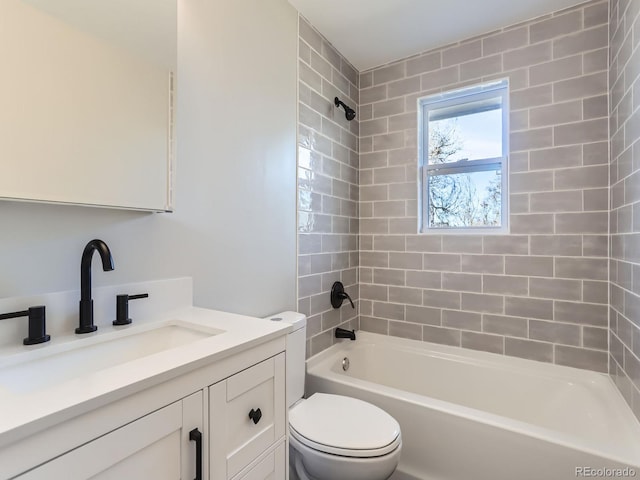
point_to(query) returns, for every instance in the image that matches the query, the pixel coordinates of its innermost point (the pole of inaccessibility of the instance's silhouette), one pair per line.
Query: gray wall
(327, 187)
(625, 199)
(541, 291)
(233, 229)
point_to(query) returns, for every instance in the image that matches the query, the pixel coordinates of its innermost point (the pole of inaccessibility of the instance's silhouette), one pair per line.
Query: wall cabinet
(242, 419)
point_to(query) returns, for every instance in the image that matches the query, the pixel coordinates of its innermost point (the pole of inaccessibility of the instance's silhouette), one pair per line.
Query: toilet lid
(344, 425)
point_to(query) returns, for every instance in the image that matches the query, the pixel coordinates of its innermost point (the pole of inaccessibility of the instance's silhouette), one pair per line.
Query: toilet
(333, 437)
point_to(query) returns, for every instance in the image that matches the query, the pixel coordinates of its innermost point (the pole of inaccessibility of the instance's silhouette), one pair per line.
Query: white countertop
(91, 390)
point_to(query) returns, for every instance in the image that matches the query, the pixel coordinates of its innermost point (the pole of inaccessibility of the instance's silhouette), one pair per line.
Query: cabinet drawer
(270, 466)
(236, 437)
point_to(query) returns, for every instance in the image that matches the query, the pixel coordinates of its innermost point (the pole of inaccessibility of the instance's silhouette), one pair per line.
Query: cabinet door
(270, 466)
(236, 438)
(156, 446)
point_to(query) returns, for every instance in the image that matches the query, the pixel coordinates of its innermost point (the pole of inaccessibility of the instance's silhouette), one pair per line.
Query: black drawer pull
(255, 415)
(196, 436)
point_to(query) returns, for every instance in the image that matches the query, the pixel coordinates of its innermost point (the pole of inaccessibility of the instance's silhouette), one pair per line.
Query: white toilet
(333, 437)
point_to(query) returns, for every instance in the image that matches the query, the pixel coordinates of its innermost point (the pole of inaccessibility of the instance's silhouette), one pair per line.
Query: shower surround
(542, 291)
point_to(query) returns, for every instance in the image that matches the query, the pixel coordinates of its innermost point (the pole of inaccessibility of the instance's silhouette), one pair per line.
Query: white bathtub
(472, 415)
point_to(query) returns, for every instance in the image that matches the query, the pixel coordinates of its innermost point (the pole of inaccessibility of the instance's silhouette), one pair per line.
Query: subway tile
(462, 53)
(462, 320)
(505, 285)
(596, 338)
(462, 243)
(374, 292)
(595, 61)
(403, 191)
(374, 325)
(581, 177)
(554, 332)
(404, 156)
(424, 315)
(595, 107)
(555, 288)
(581, 132)
(596, 199)
(477, 302)
(373, 225)
(566, 201)
(582, 313)
(425, 279)
(389, 209)
(590, 222)
(389, 141)
(581, 358)
(519, 203)
(465, 282)
(556, 26)
(395, 71)
(310, 35)
(532, 224)
(592, 39)
(407, 296)
(386, 108)
(531, 139)
(390, 311)
(528, 349)
(441, 262)
(595, 292)
(374, 127)
(443, 336)
(582, 268)
(389, 242)
(373, 94)
(440, 78)
(513, 244)
(584, 86)
(374, 259)
(556, 114)
(501, 325)
(531, 55)
(405, 121)
(481, 67)
(529, 266)
(424, 243)
(321, 342)
(508, 40)
(441, 299)
(531, 182)
(532, 97)
(481, 263)
(555, 70)
(529, 307)
(405, 330)
(424, 63)
(411, 261)
(597, 14)
(482, 341)
(383, 276)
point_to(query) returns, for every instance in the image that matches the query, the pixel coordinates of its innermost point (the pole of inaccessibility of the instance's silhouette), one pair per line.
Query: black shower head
(350, 113)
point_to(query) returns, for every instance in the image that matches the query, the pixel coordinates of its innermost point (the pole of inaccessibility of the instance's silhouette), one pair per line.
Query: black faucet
(86, 302)
(342, 333)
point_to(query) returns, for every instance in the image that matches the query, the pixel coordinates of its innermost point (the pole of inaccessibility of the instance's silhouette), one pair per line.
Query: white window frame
(451, 99)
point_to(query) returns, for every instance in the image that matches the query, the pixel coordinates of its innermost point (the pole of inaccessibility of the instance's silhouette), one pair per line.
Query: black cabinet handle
(196, 436)
(255, 415)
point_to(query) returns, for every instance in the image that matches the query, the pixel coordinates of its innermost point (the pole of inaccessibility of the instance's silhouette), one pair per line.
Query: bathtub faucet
(342, 333)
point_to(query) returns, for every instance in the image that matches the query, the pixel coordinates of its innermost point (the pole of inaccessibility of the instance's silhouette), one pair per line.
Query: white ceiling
(370, 33)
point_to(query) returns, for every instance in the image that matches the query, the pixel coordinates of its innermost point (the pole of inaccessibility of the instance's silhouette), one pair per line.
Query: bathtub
(469, 415)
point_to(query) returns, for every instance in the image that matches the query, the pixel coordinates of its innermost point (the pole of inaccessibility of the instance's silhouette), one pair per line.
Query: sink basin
(43, 368)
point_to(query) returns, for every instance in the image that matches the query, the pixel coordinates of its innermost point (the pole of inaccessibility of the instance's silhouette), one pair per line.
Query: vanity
(182, 393)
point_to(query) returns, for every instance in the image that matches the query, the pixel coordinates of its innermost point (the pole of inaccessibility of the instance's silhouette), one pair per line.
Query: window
(463, 159)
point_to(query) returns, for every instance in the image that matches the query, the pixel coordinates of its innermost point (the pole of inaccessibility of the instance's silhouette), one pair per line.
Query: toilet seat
(344, 426)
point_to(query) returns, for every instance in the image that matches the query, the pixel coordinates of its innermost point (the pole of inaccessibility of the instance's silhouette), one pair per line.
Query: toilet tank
(295, 353)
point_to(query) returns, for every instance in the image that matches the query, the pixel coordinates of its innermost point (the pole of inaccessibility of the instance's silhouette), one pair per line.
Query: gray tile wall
(327, 187)
(540, 292)
(624, 84)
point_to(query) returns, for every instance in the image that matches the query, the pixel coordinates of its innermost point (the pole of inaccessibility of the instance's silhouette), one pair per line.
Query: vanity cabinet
(145, 434)
(155, 446)
(247, 418)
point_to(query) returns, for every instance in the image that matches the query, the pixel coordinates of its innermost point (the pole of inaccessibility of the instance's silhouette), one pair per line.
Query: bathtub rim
(319, 365)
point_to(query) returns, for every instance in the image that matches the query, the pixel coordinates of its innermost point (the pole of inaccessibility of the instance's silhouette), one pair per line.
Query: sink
(43, 368)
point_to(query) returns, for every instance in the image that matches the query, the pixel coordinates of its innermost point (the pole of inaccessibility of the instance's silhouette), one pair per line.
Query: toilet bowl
(336, 437)
(333, 437)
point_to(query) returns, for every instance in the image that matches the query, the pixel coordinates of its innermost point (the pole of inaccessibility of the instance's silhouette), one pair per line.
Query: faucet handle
(122, 308)
(37, 324)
